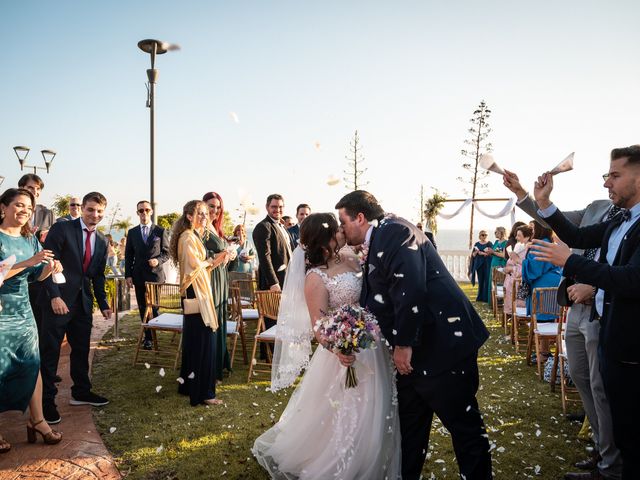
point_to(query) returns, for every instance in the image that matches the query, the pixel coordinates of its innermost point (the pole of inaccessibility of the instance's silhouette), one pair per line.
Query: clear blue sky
(559, 77)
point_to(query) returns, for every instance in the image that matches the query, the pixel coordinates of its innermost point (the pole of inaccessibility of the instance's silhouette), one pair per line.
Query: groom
(433, 329)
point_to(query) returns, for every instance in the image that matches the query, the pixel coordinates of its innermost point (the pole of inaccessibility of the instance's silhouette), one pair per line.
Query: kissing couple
(425, 361)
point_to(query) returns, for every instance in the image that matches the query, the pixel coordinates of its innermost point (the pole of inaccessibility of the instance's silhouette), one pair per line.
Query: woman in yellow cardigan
(200, 321)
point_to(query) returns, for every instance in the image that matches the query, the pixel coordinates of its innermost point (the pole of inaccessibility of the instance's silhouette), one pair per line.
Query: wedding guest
(42, 217)
(200, 324)
(145, 253)
(511, 240)
(481, 261)
(287, 222)
(497, 256)
(583, 340)
(538, 273)
(122, 250)
(74, 210)
(245, 254)
(513, 268)
(67, 309)
(216, 245)
(20, 380)
(112, 258)
(302, 211)
(616, 278)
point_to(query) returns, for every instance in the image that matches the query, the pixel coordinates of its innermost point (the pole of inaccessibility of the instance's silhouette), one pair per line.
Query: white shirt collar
(84, 226)
(367, 237)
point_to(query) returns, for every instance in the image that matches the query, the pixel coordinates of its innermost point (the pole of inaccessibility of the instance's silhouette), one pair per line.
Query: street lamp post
(22, 152)
(153, 48)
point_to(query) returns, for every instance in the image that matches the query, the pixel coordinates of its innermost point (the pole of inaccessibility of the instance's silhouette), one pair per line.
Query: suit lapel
(630, 233)
(78, 235)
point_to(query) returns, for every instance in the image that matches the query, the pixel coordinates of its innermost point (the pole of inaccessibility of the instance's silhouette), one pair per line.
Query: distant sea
(456, 239)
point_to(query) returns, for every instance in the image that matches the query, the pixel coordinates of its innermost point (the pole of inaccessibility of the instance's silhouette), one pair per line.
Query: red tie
(87, 251)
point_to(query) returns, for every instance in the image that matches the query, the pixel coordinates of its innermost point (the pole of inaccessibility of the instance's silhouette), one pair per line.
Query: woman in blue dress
(539, 274)
(498, 258)
(481, 264)
(20, 381)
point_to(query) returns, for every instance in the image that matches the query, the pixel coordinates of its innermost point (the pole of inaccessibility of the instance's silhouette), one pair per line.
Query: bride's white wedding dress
(328, 431)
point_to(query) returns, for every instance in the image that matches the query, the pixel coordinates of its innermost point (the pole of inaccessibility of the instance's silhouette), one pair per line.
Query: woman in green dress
(216, 245)
(20, 381)
(497, 255)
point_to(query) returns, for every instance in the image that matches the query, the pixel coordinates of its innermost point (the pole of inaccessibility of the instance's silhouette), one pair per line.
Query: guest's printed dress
(19, 353)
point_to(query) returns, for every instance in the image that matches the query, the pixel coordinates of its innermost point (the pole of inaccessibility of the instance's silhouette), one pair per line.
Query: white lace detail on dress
(344, 288)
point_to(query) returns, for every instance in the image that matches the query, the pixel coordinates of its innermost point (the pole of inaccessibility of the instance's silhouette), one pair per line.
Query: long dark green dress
(220, 289)
(19, 354)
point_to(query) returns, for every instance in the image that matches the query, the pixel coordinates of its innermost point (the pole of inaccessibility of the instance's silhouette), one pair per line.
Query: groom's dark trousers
(419, 305)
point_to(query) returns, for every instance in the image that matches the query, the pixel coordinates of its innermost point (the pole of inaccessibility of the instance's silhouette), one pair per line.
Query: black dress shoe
(590, 463)
(57, 379)
(88, 398)
(594, 475)
(147, 345)
(50, 412)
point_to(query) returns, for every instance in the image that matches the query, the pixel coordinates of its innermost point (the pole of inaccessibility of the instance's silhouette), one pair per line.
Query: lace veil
(294, 333)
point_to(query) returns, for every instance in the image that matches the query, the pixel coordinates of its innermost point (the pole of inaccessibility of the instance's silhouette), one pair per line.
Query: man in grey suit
(42, 217)
(582, 339)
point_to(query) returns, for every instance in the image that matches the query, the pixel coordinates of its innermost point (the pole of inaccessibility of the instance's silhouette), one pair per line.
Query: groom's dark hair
(361, 201)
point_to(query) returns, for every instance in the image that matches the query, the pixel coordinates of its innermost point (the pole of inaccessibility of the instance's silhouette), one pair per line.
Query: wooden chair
(236, 324)
(519, 319)
(497, 291)
(233, 276)
(568, 393)
(544, 301)
(268, 303)
(247, 292)
(165, 297)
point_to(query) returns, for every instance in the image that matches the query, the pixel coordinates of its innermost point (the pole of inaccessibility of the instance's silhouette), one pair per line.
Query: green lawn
(159, 436)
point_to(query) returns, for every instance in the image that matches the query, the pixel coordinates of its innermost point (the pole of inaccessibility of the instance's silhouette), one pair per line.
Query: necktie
(87, 251)
(590, 253)
(145, 233)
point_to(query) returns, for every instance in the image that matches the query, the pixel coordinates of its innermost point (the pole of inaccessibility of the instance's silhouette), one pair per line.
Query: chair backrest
(545, 301)
(498, 276)
(268, 303)
(163, 295)
(236, 303)
(247, 289)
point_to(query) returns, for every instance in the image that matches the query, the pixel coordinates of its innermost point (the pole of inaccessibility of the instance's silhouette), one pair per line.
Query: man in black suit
(616, 278)
(67, 307)
(147, 250)
(433, 329)
(273, 245)
(302, 211)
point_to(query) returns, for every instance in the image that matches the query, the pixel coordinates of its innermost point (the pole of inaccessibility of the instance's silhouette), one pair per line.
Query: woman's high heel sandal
(50, 438)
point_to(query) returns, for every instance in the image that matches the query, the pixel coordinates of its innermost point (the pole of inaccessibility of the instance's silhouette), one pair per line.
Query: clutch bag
(190, 306)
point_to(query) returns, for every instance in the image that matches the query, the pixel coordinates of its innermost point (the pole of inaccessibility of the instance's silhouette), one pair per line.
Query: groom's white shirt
(367, 236)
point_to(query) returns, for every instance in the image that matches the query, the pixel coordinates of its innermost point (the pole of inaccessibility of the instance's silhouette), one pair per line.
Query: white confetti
(453, 319)
(398, 275)
(414, 309)
(161, 373)
(394, 331)
(378, 298)
(282, 267)
(413, 247)
(538, 433)
(374, 223)
(468, 408)
(146, 365)
(518, 435)
(536, 469)
(159, 449)
(112, 429)
(380, 254)
(191, 376)
(325, 225)
(158, 388)
(500, 449)
(180, 380)
(255, 404)
(254, 361)
(457, 333)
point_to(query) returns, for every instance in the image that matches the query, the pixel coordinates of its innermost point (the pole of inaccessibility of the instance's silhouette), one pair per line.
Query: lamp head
(21, 153)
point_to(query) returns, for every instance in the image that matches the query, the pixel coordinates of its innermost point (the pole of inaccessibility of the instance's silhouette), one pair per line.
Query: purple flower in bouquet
(348, 330)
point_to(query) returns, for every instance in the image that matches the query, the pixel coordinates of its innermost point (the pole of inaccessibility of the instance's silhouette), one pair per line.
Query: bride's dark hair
(316, 231)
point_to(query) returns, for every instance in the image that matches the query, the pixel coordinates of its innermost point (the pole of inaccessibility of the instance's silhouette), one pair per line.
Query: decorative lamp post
(22, 152)
(153, 48)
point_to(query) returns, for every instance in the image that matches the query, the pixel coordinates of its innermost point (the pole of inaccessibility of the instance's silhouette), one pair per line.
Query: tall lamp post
(22, 152)
(153, 48)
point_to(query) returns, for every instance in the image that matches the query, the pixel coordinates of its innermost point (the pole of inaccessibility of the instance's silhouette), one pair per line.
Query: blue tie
(145, 233)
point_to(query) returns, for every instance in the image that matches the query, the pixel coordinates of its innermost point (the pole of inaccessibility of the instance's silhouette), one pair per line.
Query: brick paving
(81, 454)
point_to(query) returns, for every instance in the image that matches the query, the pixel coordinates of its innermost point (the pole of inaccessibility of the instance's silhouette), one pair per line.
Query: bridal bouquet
(348, 330)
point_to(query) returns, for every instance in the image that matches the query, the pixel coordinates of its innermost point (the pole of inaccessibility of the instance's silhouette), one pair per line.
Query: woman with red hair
(216, 245)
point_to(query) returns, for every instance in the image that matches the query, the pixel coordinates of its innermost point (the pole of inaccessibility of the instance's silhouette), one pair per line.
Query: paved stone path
(81, 454)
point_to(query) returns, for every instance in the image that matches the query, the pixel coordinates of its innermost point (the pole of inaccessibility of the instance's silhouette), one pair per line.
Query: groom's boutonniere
(363, 254)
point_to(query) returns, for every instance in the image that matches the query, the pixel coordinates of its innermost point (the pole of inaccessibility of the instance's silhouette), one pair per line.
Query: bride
(328, 431)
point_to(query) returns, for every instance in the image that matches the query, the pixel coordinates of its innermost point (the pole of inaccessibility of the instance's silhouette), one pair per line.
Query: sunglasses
(483, 234)
(74, 205)
(144, 210)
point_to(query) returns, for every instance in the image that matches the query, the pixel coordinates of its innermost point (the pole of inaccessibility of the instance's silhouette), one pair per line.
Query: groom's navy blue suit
(418, 304)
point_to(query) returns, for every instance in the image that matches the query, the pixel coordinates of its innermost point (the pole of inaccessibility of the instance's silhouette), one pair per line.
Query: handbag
(563, 296)
(190, 306)
(524, 291)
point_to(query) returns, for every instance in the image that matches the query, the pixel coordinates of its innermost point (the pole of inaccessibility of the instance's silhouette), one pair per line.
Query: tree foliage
(353, 173)
(167, 220)
(60, 205)
(477, 144)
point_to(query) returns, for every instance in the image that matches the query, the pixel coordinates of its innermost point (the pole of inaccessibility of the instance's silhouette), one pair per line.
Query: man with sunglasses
(74, 210)
(146, 251)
